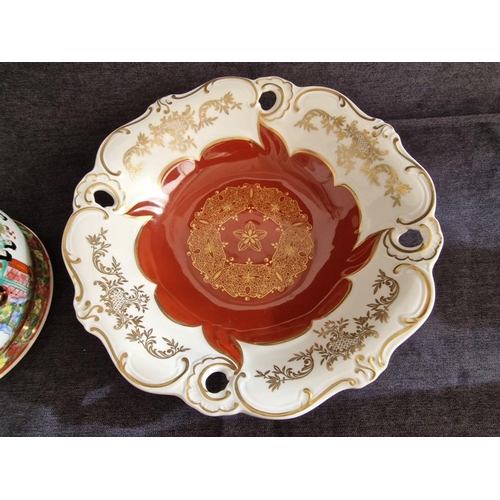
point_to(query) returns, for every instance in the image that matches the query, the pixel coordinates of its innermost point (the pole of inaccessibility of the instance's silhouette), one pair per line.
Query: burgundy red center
(251, 243)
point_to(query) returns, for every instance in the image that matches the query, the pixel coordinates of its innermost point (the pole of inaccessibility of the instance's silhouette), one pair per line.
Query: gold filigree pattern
(176, 125)
(118, 302)
(250, 280)
(363, 146)
(341, 343)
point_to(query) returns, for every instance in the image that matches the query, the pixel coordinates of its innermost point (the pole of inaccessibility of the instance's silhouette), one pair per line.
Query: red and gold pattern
(281, 308)
(306, 228)
(239, 275)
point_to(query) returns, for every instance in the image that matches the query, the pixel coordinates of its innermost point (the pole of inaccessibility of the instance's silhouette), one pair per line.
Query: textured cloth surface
(445, 380)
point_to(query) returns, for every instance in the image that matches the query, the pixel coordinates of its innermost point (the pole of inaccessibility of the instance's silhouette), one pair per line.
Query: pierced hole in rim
(104, 199)
(267, 100)
(216, 382)
(411, 239)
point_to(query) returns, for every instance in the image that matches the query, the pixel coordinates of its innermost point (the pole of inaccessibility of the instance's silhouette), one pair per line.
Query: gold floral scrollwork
(369, 370)
(176, 125)
(121, 363)
(341, 341)
(363, 146)
(118, 302)
(249, 279)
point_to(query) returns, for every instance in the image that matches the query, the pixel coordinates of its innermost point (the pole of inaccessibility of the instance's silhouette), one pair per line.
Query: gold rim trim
(87, 194)
(388, 241)
(228, 364)
(430, 184)
(105, 187)
(381, 130)
(66, 255)
(204, 391)
(280, 108)
(364, 368)
(410, 322)
(419, 248)
(362, 365)
(121, 364)
(278, 104)
(311, 400)
(223, 362)
(120, 130)
(341, 97)
(206, 88)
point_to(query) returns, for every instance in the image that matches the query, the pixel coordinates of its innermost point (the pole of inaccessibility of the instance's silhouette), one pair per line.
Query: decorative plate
(25, 291)
(250, 259)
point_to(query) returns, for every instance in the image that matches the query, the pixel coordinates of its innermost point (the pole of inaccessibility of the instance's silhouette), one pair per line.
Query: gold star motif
(250, 237)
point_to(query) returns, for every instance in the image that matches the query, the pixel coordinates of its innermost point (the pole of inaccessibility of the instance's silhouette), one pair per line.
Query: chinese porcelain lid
(250, 259)
(25, 290)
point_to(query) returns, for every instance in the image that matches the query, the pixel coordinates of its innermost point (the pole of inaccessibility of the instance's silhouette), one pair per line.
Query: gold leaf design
(118, 301)
(176, 125)
(342, 342)
(250, 237)
(363, 146)
(249, 279)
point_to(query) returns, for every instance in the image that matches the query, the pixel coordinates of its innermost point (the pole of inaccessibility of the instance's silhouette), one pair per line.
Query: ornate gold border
(411, 323)
(311, 400)
(106, 188)
(70, 263)
(363, 368)
(343, 100)
(121, 130)
(362, 365)
(121, 364)
(410, 252)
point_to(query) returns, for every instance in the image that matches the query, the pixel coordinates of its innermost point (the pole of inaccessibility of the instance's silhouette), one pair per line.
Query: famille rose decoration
(25, 291)
(251, 258)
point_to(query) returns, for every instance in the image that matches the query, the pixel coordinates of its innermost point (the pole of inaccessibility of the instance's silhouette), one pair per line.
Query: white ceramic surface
(148, 330)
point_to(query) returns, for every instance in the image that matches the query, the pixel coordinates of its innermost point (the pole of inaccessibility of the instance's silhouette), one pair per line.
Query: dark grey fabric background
(444, 381)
